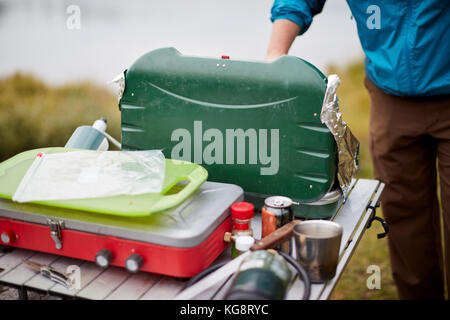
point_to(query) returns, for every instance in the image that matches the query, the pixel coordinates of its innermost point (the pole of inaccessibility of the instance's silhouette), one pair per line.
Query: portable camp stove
(176, 104)
(179, 242)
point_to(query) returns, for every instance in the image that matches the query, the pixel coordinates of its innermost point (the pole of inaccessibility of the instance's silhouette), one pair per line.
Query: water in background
(34, 36)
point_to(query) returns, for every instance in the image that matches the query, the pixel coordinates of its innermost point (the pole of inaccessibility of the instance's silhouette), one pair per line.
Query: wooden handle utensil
(275, 238)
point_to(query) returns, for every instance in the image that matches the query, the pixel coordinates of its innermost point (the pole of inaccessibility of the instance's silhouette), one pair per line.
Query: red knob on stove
(7, 237)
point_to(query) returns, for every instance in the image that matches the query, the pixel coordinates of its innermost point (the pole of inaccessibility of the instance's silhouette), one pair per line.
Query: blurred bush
(35, 115)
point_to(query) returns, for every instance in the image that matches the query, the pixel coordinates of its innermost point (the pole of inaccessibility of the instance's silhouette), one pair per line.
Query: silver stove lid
(185, 226)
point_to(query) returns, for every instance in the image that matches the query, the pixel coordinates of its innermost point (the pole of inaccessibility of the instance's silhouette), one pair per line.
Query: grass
(34, 115)
(354, 103)
(353, 283)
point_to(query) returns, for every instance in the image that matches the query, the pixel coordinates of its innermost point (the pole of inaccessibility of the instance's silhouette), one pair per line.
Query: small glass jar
(241, 214)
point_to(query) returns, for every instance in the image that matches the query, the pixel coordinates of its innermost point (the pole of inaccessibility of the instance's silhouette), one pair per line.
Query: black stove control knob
(134, 263)
(7, 237)
(103, 258)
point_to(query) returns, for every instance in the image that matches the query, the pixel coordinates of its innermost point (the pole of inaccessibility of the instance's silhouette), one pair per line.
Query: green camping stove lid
(255, 124)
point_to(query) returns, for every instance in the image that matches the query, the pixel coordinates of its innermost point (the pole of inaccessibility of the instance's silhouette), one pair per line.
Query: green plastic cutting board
(13, 170)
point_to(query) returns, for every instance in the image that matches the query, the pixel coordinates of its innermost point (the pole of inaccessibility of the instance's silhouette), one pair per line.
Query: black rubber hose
(301, 272)
(204, 273)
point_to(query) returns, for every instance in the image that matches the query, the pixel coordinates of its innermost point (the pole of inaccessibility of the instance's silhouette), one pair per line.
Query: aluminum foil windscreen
(119, 81)
(347, 144)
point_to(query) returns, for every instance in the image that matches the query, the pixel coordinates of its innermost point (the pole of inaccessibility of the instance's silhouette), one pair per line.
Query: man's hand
(283, 35)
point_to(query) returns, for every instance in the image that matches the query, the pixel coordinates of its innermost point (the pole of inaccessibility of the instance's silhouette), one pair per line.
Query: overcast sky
(34, 36)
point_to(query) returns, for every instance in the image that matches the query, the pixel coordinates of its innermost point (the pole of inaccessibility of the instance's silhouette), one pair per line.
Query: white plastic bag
(92, 174)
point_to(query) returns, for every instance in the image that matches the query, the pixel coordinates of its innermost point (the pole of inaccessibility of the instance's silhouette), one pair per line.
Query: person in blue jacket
(407, 63)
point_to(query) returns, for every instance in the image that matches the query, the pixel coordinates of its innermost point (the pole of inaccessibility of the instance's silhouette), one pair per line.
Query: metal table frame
(117, 283)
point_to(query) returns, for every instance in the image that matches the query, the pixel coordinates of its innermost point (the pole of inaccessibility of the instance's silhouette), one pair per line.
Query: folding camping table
(117, 283)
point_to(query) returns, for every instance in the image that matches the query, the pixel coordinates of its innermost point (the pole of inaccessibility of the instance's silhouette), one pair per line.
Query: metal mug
(317, 244)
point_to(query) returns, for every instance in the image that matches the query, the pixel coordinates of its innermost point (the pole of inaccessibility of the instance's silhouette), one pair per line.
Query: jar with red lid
(241, 214)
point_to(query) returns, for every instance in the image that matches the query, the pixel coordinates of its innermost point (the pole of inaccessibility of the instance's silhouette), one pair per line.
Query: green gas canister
(263, 275)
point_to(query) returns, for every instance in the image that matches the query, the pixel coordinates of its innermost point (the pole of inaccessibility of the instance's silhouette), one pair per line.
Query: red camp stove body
(180, 242)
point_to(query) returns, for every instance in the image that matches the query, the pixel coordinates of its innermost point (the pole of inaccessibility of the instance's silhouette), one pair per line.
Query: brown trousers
(406, 138)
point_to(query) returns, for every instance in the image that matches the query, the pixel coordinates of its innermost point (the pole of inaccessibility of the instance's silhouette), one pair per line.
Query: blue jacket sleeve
(299, 11)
